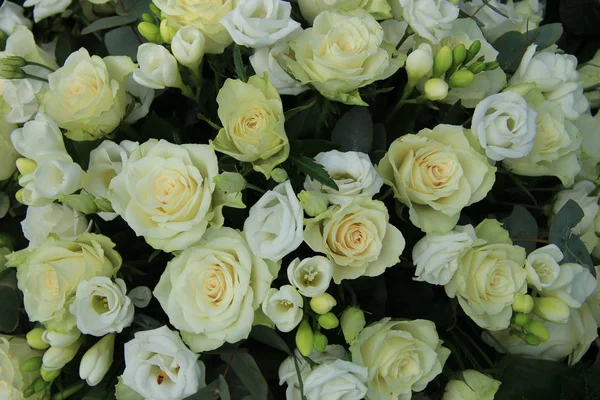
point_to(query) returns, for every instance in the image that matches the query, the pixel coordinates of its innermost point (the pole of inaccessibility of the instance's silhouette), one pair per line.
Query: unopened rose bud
(14, 61)
(319, 341)
(97, 360)
(523, 303)
(279, 175)
(459, 53)
(32, 365)
(328, 321)
(304, 338)
(419, 63)
(436, 89)
(83, 202)
(313, 203)
(49, 376)
(442, 61)
(322, 303)
(551, 309)
(352, 321)
(461, 78)
(539, 329)
(10, 72)
(151, 32)
(167, 32)
(230, 182)
(26, 166)
(34, 339)
(521, 319)
(473, 50)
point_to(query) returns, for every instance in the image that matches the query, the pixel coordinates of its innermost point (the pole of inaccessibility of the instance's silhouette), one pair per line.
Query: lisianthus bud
(167, 32)
(14, 61)
(436, 89)
(34, 339)
(304, 338)
(539, 329)
(48, 375)
(521, 319)
(57, 357)
(10, 72)
(230, 182)
(442, 61)
(26, 166)
(419, 63)
(473, 50)
(459, 53)
(319, 341)
(83, 202)
(461, 78)
(551, 309)
(328, 321)
(314, 203)
(353, 321)
(32, 365)
(523, 303)
(322, 303)
(279, 175)
(151, 32)
(97, 360)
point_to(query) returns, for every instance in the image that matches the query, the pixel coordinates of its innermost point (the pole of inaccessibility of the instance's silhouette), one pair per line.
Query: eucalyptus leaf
(269, 337)
(354, 130)
(9, 312)
(132, 7)
(246, 369)
(108, 22)
(239, 63)
(4, 204)
(522, 225)
(122, 41)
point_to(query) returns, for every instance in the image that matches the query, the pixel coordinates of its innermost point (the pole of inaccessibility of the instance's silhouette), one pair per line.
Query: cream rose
(357, 238)
(401, 356)
(436, 173)
(310, 276)
(49, 274)
(53, 218)
(14, 352)
(472, 385)
(205, 15)
(430, 19)
(210, 290)
(166, 193)
(343, 51)
(309, 9)
(283, 306)
(253, 124)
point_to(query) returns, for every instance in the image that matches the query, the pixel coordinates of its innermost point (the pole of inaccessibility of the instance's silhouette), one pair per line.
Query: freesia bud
(319, 341)
(442, 61)
(532, 339)
(19, 195)
(279, 175)
(97, 360)
(49, 376)
(39, 385)
(551, 309)
(151, 32)
(477, 67)
(187, 45)
(523, 303)
(539, 329)
(60, 339)
(32, 365)
(230, 182)
(314, 203)
(419, 63)
(83, 202)
(14, 61)
(328, 321)
(34, 339)
(10, 72)
(26, 166)
(473, 50)
(322, 303)
(304, 338)
(155, 10)
(148, 17)
(436, 89)
(57, 357)
(167, 32)
(492, 65)
(461, 78)
(521, 319)
(352, 321)
(459, 53)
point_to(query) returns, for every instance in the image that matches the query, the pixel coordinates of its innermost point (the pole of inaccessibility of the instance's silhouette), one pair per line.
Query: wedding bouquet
(302, 199)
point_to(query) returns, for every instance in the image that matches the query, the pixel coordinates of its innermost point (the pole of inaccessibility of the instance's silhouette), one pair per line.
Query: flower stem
(408, 89)
(254, 187)
(70, 391)
(35, 78)
(40, 65)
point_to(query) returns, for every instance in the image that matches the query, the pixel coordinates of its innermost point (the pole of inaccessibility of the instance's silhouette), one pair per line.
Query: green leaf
(65, 45)
(108, 22)
(316, 171)
(209, 392)
(223, 388)
(239, 63)
(354, 130)
(246, 369)
(4, 204)
(132, 7)
(269, 336)
(312, 147)
(11, 302)
(545, 36)
(290, 113)
(530, 379)
(522, 225)
(157, 127)
(122, 41)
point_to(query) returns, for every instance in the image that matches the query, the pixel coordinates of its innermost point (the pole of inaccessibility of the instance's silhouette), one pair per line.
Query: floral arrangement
(269, 199)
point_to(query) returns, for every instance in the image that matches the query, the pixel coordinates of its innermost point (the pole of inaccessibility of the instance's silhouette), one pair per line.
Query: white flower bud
(436, 89)
(188, 46)
(57, 357)
(97, 360)
(419, 63)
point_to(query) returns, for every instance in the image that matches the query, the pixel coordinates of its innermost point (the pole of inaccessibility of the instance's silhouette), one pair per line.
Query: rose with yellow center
(86, 96)
(357, 238)
(401, 357)
(210, 290)
(253, 124)
(436, 173)
(48, 275)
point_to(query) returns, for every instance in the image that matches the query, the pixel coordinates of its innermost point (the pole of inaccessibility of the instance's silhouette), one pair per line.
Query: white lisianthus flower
(139, 99)
(274, 225)
(472, 385)
(505, 126)
(101, 306)
(11, 16)
(284, 307)
(211, 290)
(542, 266)
(386, 344)
(158, 366)
(46, 8)
(436, 255)
(157, 68)
(310, 276)
(260, 23)
(264, 61)
(573, 285)
(54, 218)
(353, 173)
(188, 46)
(430, 19)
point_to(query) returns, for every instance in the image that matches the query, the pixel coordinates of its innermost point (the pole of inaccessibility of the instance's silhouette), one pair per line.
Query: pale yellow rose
(379, 9)
(436, 173)
(14, 352)
(253, 124)
(357, 238)
(87, 96)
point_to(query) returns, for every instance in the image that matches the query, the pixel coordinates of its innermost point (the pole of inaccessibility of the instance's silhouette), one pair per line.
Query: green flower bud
(81, 202)
(461, 78)
(148, 17)
(539, 329)
(436, 89)
(353, 321)
(32, 365)
(14, 61)
(49, 376)
(473, 50)
(19, 195)
(322, 303)
(521, 319)
(489, 66)
(314, 203)
(151, 32)
(304, 338)
(39, 385)
(103, 205)
(328, 321)
(155, 10)
(477, 67)
(26, 166)
(230, 182)
(551, 309)
(279, 175)
(10, 72)
(30, 391)
(319, 341)
(532, 339)
(459, 53)
(523, 303)
(34, 339)
(442, 61)
(167, 32)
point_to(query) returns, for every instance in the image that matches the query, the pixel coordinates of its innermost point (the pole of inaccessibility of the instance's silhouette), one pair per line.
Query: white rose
(581, 194)
(211, 290)
(353, 173)
(11, 15)
(571, 99)
(157, 68)
(101, 306)
(56, 177)
(139, 99)
(188, 46)
(542, 266)
(259, 23)
(20, 96)
(159, 367)
(284, 307)
(572, 339)
(310, 276)
(505, 125)
(471, 385)
(436, 255)
(274, 225)
(430, 19)
(39, 140)
(264, 61)
(547, 70)
(573, 285)
(46, 8)
(54, 218)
